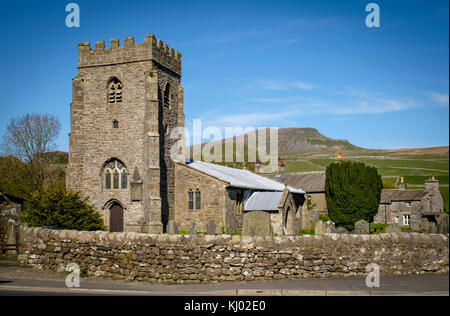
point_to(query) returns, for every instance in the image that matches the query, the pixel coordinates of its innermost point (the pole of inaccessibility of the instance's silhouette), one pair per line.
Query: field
(415, 166)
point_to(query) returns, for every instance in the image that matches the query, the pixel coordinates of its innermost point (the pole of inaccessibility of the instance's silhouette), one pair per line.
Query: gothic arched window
(197, 200)
(190, 200)
(115, 175)
(115, 91)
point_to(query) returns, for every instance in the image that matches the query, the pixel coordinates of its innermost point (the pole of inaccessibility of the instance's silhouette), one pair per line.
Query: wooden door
(116, 218)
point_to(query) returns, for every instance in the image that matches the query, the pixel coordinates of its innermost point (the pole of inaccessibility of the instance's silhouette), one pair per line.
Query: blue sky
(253, 63)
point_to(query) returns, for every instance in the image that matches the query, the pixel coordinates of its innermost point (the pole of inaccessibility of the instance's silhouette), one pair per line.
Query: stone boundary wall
(205, 259)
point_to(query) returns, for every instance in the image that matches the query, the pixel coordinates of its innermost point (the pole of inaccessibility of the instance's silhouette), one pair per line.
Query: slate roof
(239, 178)
(311, 182)
(387, 196)
(263, 201)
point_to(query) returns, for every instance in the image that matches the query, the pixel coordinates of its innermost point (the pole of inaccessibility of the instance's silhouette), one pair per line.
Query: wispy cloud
(440, 98)
(283, 85)
(255, 119)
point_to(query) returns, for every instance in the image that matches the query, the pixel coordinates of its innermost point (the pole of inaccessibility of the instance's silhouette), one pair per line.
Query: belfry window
(115, 124)
(115, 175)
(115, 91)
(167, 98)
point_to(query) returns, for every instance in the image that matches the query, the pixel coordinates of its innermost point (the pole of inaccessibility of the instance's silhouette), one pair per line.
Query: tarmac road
(22, 281)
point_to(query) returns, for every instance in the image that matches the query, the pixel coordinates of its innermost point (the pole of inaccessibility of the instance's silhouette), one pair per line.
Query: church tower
(126, 101)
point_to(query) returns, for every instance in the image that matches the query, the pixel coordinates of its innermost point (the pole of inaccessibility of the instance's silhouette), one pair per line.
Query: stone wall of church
(212, 206)
(140, 141)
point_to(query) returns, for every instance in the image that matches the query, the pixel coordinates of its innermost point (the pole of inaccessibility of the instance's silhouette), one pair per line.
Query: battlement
(150, 50)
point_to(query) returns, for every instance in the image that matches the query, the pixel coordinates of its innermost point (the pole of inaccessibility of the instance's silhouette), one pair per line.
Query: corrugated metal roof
(263, 201)
(239, 178)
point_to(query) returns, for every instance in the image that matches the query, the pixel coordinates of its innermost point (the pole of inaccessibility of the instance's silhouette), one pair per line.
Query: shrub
(377, 228)
(352, 192)
(324, 217)
(61, 209)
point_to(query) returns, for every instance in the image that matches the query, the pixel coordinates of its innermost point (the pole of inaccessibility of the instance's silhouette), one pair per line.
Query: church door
(116, 218)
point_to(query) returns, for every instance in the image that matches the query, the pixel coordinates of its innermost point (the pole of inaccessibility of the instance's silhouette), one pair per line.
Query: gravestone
(425, 224)
(172, 228)
(256, 223)
(393, 229)
(321, 228)
(433, 228)
(415, 226)
(362, 228)
(443, 224)
(341, 230)
(231, 223)
(11, 242)
(193, 230)
(211, 228)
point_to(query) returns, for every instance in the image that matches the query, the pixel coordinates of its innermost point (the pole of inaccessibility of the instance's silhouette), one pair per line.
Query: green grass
(389, 183)
(303, 166)
(419, 180)
(306, 232)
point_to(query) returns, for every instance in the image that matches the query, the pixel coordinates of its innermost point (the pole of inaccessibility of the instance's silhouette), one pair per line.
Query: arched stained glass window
(115, 175)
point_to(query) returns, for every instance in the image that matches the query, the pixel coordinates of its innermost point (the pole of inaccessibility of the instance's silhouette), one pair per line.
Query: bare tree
(31, 136)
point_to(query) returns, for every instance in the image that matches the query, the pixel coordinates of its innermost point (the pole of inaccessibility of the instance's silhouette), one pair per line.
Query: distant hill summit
(297, 140)
(293, 141)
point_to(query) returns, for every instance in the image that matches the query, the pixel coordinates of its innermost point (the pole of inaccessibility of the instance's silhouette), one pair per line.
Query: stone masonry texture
(152, 105)
(207, 259)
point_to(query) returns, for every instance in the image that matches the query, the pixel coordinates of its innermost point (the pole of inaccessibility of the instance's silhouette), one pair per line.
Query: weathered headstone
(362, 228)
(172, 228)
(256, 223)
(425, 224)
(11, 241)
(211, 228)
(192, 230)
(231, 223)
(433, 228)
(393, 229)
(321, 228)
(443, 225)
(341, 230)
(415, 226)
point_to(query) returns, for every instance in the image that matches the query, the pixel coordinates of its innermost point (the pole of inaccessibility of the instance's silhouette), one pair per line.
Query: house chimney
(402, 185)
(432, 184)
(339, 158)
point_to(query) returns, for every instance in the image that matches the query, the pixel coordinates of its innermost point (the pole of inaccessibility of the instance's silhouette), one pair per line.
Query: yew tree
(352, 192)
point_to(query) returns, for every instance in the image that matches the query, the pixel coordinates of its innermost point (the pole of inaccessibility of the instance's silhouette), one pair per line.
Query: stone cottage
(126, 102)
(409, 207)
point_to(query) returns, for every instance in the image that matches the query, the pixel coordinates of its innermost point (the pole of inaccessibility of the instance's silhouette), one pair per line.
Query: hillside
(291, 141)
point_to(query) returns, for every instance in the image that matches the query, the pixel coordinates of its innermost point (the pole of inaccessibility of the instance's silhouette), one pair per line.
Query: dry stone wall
(200, 259)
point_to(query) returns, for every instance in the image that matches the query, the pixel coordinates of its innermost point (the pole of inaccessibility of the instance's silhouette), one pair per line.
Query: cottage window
(197, 200)
(190, 200)
(115, 175)
(406, 219)
(115, 91)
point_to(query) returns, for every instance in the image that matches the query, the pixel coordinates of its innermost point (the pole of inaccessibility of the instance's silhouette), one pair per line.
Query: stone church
(126, 101)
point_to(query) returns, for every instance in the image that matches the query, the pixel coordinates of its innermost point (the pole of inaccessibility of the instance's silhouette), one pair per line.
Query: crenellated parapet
(150, 50)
